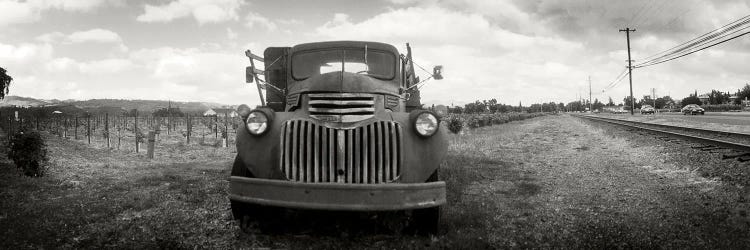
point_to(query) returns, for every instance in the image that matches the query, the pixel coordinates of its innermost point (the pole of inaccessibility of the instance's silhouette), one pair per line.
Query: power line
(616, 81)
(692, 43)
(697, 44)
(727, 40)
(638, 13)
(692, 40)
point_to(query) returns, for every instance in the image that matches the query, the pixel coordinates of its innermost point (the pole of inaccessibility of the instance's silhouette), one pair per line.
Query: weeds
(29, 153)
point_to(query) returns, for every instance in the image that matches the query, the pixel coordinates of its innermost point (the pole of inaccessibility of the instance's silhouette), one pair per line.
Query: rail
(700, 139)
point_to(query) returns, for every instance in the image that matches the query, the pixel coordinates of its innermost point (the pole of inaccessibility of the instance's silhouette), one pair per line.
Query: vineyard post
(10, 126)
(106, 128)
(119, 136)
(151, 140)
(75, 130)
(169, 117)
(88, 127)
(189, 127)
(37, 122)
(135, 130)
(216, 126)
(57, 125)
(226, 129)
(65, 127)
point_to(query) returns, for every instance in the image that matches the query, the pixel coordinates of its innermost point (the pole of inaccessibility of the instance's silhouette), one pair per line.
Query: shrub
(29, 153)
(474, 122)
(455, 125)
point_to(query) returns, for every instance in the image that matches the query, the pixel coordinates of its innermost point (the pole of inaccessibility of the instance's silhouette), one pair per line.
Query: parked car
(693, 109)
(647, 109)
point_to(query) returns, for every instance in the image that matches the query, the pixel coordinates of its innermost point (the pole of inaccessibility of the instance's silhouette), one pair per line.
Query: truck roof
(345, 44)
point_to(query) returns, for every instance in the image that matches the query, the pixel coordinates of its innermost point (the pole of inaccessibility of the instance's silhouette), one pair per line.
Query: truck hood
(344, 82)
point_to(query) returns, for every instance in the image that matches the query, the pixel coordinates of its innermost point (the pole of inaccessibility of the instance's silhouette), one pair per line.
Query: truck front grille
(341, 107)
(367, 154)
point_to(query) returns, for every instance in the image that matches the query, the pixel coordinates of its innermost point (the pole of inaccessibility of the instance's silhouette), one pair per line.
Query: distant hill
(21, 101)
(144, 106)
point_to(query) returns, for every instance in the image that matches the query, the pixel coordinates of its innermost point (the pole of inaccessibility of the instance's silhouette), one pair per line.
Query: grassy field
(94, 197)
(547, 182)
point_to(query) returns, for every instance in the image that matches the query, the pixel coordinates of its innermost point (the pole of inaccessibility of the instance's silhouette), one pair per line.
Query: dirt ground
(548, 182)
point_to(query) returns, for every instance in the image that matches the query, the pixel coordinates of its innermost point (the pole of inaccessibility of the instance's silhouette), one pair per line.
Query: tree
(5, 80)
(663, 101)
(627, 102)
(692, 99)
(598, 105)
(165, 112)
(610, 103)
(742, 94)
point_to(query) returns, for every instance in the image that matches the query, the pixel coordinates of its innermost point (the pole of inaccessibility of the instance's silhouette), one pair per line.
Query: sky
(527, 51)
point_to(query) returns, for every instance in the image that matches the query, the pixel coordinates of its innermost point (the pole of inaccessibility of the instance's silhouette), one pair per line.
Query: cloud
(231, 35)
(12, 12)
(53, 37)
(199, 74)
(25, 53)
(106, 66)
(16, 11)
(481, 59)
(94, 35)
(203, 11)
(255, 19)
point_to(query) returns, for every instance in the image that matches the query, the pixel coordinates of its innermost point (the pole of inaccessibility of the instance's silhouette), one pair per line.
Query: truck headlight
(426, 124)
(257, 122)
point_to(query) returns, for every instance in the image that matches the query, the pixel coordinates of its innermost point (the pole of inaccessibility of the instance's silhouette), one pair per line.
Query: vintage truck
(341, 128)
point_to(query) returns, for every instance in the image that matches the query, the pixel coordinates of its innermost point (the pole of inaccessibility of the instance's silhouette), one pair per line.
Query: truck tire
(426, 221)
(241, 211)
(265, 217)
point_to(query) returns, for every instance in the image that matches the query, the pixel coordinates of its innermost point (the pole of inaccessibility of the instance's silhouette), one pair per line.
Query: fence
(115, 131)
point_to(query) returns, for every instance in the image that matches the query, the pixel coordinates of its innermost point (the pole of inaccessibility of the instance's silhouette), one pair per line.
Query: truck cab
(342, 129)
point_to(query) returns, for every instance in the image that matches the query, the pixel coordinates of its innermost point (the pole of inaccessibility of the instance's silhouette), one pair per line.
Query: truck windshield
(377, 64)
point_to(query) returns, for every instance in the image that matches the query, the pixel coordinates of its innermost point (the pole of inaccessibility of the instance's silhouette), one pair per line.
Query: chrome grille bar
(341, 107)
(367, 154)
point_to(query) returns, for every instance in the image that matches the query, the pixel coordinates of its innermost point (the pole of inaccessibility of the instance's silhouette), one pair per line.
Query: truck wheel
(264, 217)
(426, 221)
(242, 211)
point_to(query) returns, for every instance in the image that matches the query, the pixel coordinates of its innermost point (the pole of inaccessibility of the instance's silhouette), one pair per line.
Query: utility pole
(590, 108)
(630, 70)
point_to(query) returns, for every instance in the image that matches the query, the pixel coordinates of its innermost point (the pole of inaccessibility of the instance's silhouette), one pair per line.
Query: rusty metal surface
(420, 155)
(336, 196)
(352, 162)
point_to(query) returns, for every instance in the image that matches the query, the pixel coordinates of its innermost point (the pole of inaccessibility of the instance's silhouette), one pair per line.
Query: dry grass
(514, 185)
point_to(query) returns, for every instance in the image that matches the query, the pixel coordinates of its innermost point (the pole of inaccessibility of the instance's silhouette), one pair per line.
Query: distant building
(440, 109)
(732, 98)
(704, 99)
(221, 112)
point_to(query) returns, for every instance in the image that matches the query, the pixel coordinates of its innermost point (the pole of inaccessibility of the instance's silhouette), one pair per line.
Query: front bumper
(337, 196)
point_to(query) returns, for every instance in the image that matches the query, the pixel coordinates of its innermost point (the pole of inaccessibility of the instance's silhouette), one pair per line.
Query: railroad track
(690, 134)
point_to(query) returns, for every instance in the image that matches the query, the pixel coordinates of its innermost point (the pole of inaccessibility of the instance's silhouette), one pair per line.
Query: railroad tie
(742, 157)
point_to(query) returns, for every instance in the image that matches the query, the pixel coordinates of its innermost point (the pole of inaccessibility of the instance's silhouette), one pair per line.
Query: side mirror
(437, 72)
(249, 74)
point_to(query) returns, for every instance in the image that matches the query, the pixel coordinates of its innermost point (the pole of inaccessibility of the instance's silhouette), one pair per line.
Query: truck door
(275, 62)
